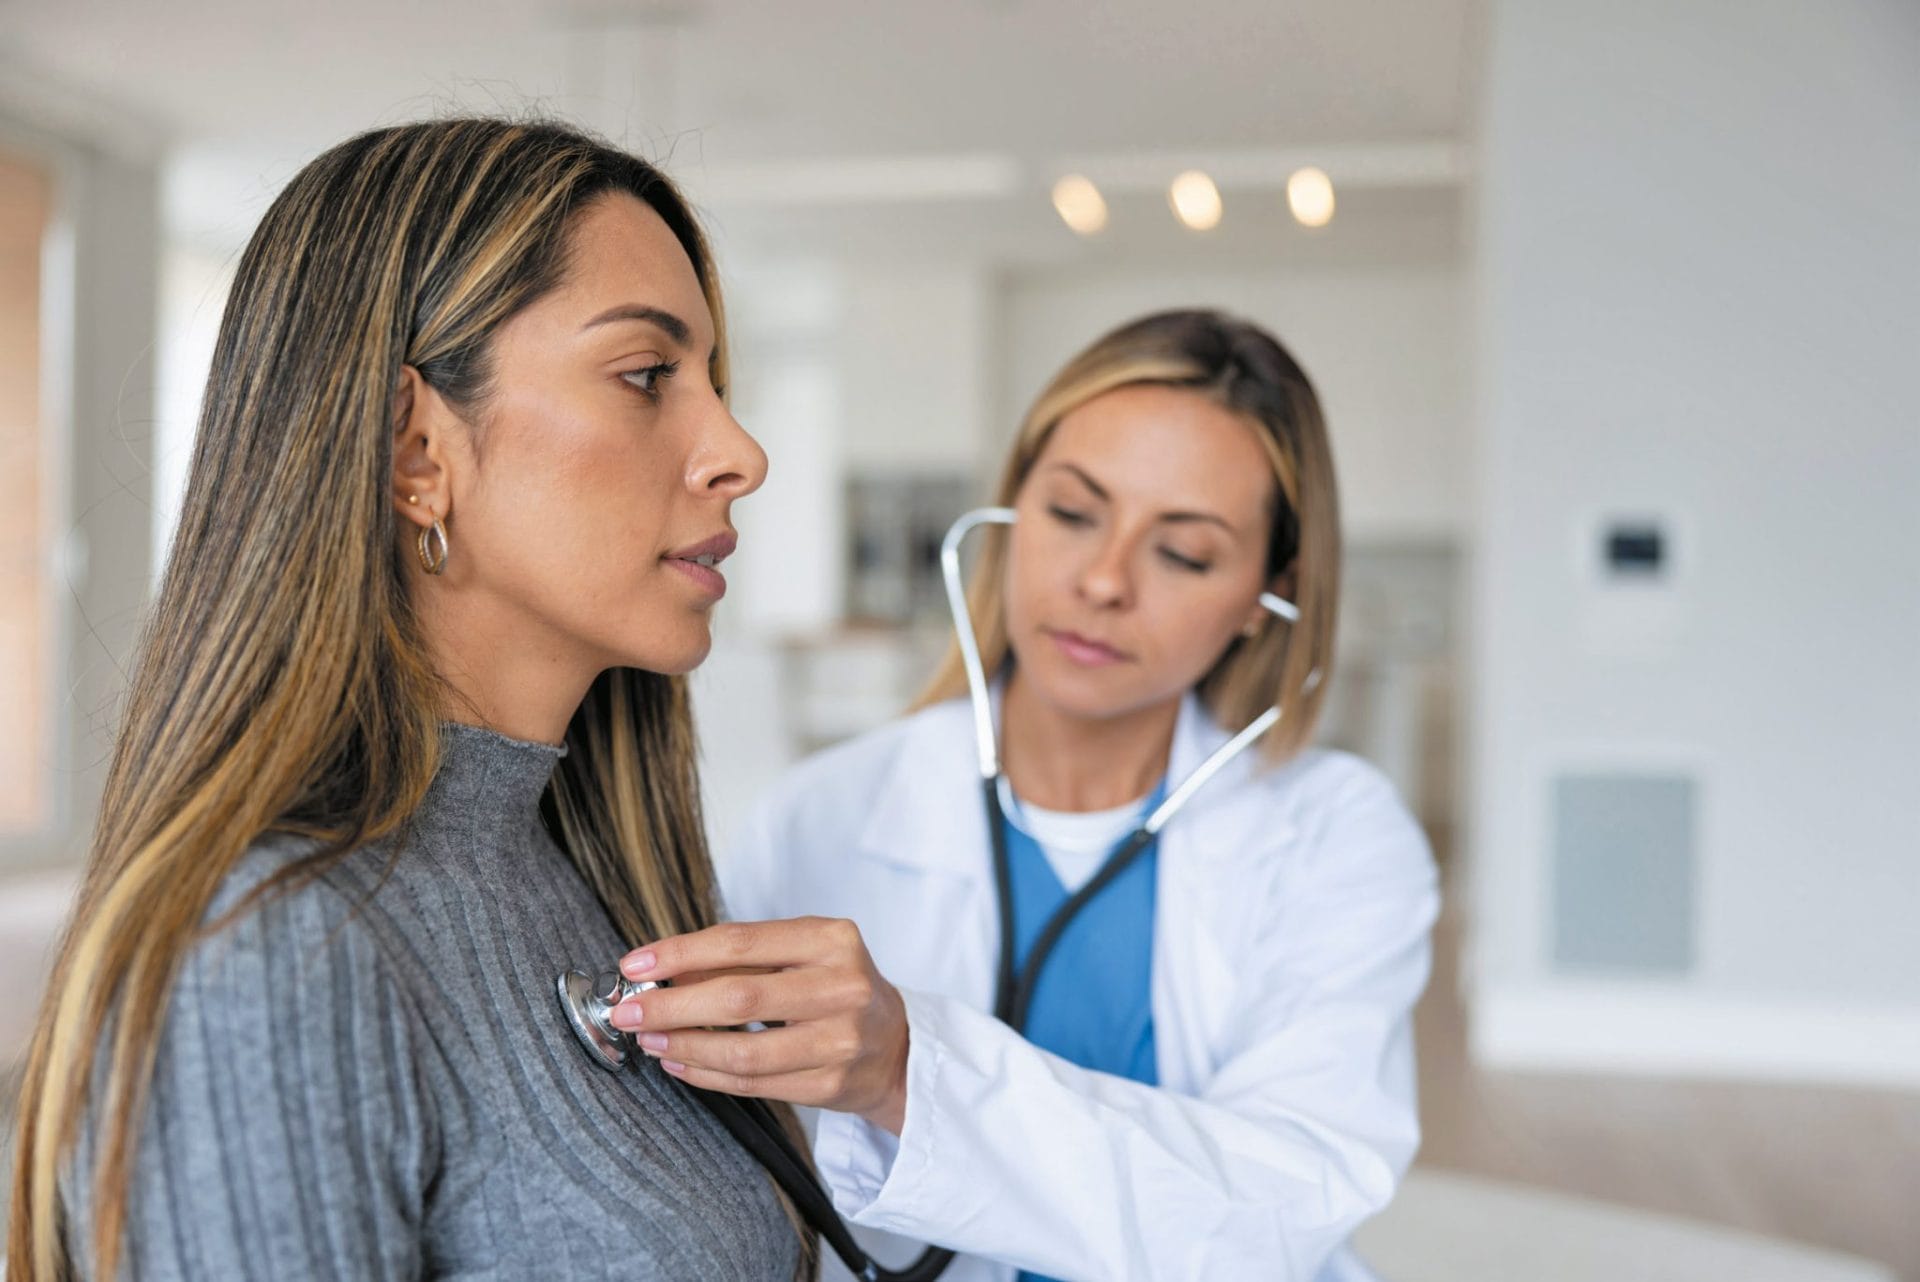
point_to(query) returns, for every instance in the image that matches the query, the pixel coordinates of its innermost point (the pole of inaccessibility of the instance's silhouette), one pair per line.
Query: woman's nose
(729, 463)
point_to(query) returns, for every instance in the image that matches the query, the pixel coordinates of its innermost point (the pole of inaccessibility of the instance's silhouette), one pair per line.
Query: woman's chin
(675, 659)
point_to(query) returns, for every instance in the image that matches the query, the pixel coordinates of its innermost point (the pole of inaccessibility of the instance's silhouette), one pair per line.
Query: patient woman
(405, 740)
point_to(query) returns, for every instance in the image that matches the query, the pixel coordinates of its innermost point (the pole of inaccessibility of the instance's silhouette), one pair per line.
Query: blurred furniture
(840, 684)
(1393, 698)
(895, 524)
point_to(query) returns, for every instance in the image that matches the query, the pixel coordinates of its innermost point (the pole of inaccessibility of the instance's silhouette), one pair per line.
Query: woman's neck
(501, 675)
(1060, 761)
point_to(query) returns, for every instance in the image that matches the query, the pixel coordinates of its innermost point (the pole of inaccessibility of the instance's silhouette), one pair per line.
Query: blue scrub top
(1093, 1005)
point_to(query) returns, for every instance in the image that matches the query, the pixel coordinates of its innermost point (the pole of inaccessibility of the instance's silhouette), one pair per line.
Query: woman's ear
(422, 492)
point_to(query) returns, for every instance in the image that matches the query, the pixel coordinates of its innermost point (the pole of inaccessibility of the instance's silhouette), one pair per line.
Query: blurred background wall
(1698, 269)
(1612, 320)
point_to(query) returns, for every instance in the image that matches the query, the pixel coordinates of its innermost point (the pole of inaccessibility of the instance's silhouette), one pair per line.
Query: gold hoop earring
(433, 560)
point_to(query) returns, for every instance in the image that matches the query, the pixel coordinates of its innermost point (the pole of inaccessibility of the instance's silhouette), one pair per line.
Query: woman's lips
(710, 580)
(1084, 651)
(700, 562)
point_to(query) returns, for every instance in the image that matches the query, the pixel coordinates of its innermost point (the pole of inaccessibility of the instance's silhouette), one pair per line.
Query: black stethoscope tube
(1013, 993)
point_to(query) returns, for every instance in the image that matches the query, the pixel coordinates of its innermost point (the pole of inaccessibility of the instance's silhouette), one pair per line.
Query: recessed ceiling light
(1310, 197)
(1080, 204)
(1195, 200)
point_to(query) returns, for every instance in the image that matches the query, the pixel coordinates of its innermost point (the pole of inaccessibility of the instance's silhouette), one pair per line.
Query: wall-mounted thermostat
(1634, 550)
(1636, 575)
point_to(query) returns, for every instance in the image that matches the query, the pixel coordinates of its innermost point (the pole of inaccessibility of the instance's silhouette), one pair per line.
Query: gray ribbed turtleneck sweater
(373, 1079)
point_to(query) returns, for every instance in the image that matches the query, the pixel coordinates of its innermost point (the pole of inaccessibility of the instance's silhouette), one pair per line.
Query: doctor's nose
(1105, 581)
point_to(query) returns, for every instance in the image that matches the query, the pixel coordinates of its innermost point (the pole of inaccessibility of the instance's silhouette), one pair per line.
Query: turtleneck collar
(486, 777)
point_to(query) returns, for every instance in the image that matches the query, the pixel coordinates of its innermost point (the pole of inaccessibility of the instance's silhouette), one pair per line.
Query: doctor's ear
(1282, 585)
(421, 419)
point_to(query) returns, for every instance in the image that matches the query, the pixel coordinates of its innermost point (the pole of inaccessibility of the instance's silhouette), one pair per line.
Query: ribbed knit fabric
(372, 1078)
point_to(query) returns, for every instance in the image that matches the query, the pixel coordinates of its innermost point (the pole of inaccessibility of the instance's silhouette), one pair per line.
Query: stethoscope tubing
(750, 1121)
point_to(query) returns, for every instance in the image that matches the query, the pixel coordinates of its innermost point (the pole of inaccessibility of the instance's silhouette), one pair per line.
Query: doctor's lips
(700, 561)
(1085, 651)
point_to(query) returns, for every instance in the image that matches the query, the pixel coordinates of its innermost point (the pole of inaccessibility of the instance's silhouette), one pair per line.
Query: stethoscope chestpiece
(589, 1003)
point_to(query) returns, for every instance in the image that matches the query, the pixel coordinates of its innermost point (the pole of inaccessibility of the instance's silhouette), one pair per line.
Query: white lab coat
(1291, 939)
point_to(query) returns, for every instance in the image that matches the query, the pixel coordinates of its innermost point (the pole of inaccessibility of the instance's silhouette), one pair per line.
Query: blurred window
(26, 209)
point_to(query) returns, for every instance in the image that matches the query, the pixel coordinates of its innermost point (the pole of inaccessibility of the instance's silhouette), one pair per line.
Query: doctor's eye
(1067, 516)
(647, 381)
(1186, 562)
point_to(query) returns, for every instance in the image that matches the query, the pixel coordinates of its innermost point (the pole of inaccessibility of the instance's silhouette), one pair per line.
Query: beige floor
(1836, 1168)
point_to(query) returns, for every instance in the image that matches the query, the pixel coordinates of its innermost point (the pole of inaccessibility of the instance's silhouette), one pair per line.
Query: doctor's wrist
(889, 1112)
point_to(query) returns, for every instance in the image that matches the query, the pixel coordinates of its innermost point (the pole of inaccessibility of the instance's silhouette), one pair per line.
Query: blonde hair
(282, 683)
(1241, 367)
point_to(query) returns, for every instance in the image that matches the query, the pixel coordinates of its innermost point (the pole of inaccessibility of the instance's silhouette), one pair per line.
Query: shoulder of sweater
(328, 917)
(328, 895)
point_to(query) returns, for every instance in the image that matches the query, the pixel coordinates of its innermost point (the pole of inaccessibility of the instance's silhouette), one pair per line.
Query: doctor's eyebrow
(1100, 492)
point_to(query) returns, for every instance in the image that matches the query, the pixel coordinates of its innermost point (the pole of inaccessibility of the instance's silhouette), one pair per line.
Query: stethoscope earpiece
(1280, 606)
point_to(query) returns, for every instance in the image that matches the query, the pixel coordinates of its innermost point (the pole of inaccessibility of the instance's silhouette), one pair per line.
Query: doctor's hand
(842, 1040)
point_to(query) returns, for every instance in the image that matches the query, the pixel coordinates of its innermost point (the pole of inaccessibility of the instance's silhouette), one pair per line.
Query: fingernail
(626, 1015)
(634, 965)
(671, 1067)
(653, 1042)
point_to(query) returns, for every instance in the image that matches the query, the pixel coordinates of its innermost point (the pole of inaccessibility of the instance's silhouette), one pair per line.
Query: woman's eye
(647, 381)
(1067, 516)
(1186, 562)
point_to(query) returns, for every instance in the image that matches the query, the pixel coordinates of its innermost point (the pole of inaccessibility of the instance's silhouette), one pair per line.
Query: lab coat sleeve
(1303, 1131)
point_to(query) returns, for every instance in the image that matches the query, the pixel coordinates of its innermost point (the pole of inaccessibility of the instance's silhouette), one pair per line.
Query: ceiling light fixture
(1310, 197)
(1080, 204)
(1195, 200)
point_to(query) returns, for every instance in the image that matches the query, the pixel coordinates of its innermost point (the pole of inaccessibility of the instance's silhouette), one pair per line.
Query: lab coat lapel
(1229, 831)
(1227, 823)
(927, 824)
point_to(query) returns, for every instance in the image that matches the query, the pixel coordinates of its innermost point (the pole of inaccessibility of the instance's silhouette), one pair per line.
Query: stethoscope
(589, 1002)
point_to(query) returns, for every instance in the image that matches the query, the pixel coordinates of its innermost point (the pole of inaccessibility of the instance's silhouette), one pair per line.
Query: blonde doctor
(1214, 1078)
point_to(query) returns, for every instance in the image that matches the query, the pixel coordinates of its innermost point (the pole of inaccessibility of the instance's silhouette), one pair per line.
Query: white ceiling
(973, 104)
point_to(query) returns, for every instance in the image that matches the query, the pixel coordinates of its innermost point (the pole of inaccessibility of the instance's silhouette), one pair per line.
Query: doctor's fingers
(798, 941)
(816, 1089)
(786, 996)
(750, 1057)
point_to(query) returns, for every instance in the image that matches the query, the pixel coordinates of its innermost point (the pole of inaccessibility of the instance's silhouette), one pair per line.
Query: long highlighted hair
(1242, 368)
(282, 683)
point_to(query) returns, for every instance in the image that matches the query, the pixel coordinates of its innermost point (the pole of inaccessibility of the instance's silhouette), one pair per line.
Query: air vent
(1624, 873)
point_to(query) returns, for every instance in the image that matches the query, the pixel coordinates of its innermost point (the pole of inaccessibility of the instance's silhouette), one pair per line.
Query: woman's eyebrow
(1100, 492)
(664, 321)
